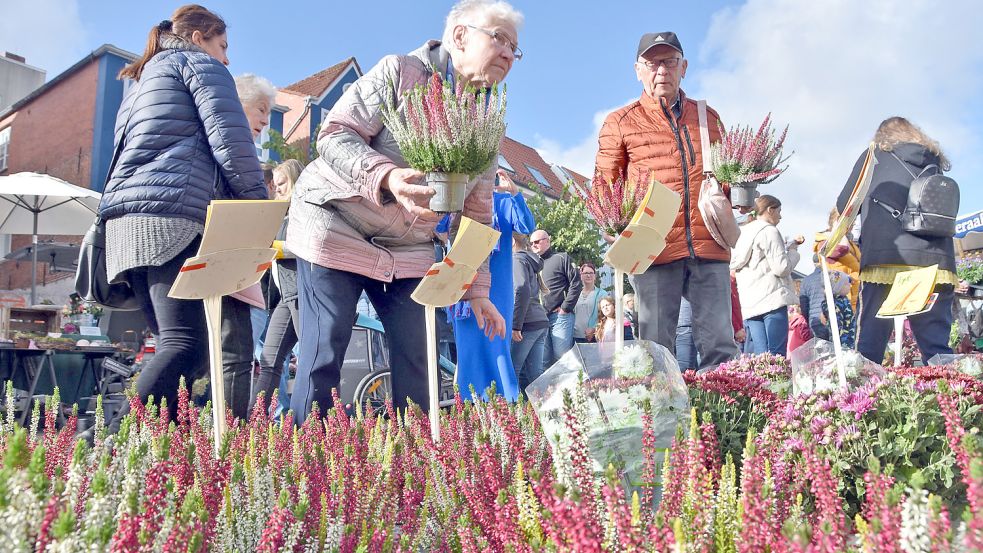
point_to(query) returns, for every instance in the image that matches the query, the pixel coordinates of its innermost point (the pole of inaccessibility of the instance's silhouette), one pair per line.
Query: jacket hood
(530, 259)
(915, 154)
(741, 254)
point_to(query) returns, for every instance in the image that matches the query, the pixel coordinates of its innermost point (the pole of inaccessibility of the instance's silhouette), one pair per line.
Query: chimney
(15, 57)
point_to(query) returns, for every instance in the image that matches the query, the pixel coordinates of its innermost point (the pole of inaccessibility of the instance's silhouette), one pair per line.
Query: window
(264, 137)
(4, 144)
(504, 164)
(538, 176)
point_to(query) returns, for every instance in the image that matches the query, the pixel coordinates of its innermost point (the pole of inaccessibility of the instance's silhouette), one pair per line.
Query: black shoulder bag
(91, 280)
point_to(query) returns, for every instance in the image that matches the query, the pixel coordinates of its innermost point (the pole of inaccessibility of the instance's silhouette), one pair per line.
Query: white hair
(479, 12)
(253, 88)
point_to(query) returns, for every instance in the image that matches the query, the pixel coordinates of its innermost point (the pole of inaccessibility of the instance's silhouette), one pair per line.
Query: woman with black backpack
(907, 222)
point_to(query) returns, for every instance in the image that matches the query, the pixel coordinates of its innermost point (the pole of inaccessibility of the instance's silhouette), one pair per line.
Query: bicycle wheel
(375, 389)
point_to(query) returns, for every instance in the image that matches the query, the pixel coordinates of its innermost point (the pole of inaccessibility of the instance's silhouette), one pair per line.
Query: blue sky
(831, 69)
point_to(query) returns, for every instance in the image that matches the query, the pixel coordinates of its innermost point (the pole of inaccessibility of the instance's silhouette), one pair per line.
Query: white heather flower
(914, 523)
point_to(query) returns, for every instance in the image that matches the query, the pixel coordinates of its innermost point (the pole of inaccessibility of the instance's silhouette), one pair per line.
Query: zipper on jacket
(682, 157)
(689, 142)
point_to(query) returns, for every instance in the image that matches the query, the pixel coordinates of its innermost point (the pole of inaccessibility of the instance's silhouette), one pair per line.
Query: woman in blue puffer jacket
(182, 139)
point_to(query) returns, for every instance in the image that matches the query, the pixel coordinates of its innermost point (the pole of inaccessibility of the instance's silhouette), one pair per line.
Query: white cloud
(833, 70)
(49, 33)
(580, 156)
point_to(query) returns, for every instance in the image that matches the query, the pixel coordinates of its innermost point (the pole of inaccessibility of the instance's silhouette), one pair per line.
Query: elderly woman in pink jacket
(359, 221)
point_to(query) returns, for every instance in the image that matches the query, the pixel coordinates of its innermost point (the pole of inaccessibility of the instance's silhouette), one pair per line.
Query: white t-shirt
(585, 310)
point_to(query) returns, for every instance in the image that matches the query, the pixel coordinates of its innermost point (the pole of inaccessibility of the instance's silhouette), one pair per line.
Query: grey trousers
(706, 284)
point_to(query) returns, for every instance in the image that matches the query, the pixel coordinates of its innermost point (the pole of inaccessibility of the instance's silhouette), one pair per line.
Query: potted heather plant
(970, 269)
(612, 203)
(746, 159)
(451, 134)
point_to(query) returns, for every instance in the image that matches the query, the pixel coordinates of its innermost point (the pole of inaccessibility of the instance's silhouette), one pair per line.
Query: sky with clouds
(830, 69)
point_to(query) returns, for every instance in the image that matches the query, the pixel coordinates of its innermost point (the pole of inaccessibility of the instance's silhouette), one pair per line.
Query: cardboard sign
(910, 293)
(446, 282)
(645, 238)
(852, 208)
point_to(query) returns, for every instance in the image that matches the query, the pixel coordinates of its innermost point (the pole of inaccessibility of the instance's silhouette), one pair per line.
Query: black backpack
(933, 203)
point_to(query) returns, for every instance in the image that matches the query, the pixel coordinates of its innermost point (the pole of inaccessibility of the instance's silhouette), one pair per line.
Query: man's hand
(740, 336)
(488, 317)
(516, 335)
(414, 197)
(589, 334)
(608, 238)
(561, 311)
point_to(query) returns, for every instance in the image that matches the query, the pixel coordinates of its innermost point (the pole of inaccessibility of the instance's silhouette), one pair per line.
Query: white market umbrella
(32, 203)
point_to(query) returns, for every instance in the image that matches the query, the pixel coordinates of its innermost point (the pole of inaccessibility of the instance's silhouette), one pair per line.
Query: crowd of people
(359, 224)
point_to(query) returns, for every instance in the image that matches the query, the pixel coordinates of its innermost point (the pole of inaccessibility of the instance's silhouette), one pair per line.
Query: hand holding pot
(414, 197)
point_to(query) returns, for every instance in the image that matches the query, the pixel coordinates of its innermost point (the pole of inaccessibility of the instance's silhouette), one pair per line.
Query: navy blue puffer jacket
(186, 142)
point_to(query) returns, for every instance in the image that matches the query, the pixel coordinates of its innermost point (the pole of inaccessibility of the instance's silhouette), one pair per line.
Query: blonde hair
(478, 13)
(897, 130)
(292, 170)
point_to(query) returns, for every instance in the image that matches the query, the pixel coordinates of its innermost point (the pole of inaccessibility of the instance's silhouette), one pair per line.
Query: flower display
(970, 269)
(445, 128)
(609, 398)
(613, 203)
(746, 156)
(895, 465)
(814, 368)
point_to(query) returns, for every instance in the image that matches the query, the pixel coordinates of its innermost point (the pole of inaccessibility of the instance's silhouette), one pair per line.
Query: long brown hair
(183, 23)
(602, 319)
(896, 130)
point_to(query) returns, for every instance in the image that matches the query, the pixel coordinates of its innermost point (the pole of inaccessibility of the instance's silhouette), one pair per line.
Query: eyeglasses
(502, 40)
(653, 65)
(538, 241)
(587, 273)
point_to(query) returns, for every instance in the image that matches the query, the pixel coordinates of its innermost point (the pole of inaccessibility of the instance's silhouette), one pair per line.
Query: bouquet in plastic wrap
(970, 365)
(608, 400)
(814, 368)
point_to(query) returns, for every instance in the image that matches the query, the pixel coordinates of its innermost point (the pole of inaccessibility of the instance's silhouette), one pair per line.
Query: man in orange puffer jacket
(659, 135)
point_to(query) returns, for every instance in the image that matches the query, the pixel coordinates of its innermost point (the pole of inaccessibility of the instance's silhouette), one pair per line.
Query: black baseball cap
(650, 40)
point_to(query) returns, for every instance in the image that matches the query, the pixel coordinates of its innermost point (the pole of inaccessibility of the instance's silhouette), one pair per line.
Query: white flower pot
(452, 189)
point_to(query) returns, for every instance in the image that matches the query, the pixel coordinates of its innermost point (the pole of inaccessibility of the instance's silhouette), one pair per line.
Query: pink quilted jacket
(340, 217)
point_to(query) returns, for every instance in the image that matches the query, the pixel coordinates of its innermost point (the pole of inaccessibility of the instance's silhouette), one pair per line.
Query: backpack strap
(905, 165)
(895, 212)
(701, 108)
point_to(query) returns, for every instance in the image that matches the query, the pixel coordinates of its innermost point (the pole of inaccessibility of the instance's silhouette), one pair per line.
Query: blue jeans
(685, 342)
(527, 356)
(560, 338)
(769, 332)
(328, 301)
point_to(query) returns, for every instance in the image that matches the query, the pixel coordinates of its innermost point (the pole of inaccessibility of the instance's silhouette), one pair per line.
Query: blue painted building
(308, 100)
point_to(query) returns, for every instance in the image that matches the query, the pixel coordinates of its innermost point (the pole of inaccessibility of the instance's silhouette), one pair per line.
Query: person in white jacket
(763, 263)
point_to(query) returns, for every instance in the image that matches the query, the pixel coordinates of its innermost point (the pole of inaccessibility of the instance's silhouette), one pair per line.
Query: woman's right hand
(415, 198)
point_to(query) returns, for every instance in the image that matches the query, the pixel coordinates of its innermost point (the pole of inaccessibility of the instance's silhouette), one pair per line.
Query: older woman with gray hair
(257, 96)
(244, 314)
(360, 221)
